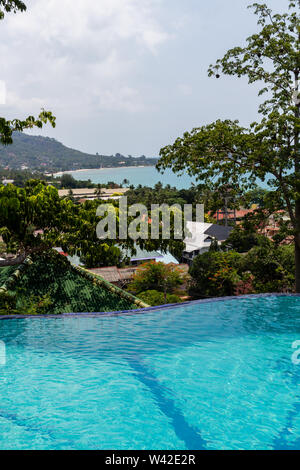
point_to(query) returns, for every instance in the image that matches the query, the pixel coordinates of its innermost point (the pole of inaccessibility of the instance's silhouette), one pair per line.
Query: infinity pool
(216, 375)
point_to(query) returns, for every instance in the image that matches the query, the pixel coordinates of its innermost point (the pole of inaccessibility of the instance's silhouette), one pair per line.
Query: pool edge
(148, 309)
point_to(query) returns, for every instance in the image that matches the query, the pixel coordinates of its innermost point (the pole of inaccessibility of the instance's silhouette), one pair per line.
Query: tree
(225, 153)
(67, 181)
(32, 219)
(265, 268)
(157, 276)
(155, 298)
(7, 127)
(272, 268)
(7, 6)
(215, 274)
(98, 191)
(243, 238)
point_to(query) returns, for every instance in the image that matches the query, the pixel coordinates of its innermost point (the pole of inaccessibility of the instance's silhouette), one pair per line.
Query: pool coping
(147, 309)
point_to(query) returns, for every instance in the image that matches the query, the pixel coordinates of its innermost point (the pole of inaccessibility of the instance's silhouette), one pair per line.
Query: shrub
(15, 304)
(215, 274)
(154, 298)
(157, 276)
(7, 302)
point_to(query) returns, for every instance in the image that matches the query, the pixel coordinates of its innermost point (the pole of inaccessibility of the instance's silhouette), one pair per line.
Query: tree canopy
(8, 6)
(33, 219)
(228, 154)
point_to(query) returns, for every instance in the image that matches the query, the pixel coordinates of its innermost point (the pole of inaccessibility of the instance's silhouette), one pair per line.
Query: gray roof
(220, 232)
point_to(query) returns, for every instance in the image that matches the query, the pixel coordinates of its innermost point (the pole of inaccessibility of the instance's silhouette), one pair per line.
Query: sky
(126, 76)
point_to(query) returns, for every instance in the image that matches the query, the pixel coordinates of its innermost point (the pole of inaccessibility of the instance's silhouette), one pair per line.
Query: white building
(200, 238)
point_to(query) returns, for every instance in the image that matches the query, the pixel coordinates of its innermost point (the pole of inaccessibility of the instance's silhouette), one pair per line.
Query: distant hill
(49, 155)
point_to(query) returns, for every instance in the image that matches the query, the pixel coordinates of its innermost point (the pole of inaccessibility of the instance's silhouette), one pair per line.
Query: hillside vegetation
(47, 154)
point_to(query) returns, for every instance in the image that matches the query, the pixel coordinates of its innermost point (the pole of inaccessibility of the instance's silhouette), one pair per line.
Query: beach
(73, 172)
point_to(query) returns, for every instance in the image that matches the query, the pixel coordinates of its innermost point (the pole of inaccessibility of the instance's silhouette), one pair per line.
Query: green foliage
(225, 153)
(255, 196)
(7, 302)
(103, 255)
(34, 219)
(272, 268)
(31, 218)
(243, 239)
(155, 298)
(16, 303)
(48, 155)
(34, 305)
(8, 127)
(214, 246)
(270, 57)
(157, 276)
(8, 6)
(265, 268)
(215, 274)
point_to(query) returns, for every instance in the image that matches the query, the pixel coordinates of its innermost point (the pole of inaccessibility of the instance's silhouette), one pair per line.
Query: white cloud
(185, 90)
(78, 54)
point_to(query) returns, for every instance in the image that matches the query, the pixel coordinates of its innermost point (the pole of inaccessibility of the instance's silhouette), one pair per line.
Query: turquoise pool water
(215, 375)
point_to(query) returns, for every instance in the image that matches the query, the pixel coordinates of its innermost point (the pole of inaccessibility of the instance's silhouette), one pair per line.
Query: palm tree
(98, 191)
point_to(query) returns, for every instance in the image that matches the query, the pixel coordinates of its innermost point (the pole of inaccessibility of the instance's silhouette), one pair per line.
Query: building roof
(220, 232)
(114, 274)
(201, 234)
(71, 289)
(142, 255)
(167, 258)
(196, 239)
(238, 214)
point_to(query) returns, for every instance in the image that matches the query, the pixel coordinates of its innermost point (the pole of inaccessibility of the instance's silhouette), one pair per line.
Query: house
(5, 182)
(200, 238)
(235, 215)
(114, 275)
(142, 256)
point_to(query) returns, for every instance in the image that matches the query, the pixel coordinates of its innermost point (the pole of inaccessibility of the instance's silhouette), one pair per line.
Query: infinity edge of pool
(151, 309)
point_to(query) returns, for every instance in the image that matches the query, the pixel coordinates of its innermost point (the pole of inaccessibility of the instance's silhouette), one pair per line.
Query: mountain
(49, 155)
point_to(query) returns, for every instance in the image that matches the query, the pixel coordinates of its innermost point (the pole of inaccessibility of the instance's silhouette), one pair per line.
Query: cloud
(79, 55)
(185, 90)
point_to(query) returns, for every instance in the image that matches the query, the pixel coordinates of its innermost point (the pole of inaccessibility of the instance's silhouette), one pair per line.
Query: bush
(265, 268)
(242, 240)
(155, 298)
(15, 304)
(272, 267)
(155, 276)
(215, 274)
(7, 302)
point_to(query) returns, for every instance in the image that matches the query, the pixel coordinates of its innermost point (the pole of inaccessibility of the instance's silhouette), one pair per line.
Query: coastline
(60, 173)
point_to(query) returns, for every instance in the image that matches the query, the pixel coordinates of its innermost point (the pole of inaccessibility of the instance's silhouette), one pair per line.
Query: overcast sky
(125, 76)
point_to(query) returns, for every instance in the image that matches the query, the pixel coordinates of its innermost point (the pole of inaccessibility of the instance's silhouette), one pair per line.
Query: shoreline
(60, 173)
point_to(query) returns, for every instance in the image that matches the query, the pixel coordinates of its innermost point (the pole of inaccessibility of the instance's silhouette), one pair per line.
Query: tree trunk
(165, 295)
(13, 261)
(297, 247)
(297, 258)
(297, 175)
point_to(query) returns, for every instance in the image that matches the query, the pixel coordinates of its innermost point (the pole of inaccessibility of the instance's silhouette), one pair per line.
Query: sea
(145, 176)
